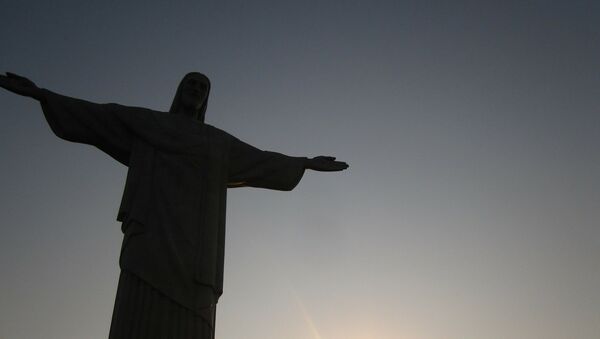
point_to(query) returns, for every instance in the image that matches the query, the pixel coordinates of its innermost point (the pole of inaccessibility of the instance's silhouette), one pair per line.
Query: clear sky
(472, 128)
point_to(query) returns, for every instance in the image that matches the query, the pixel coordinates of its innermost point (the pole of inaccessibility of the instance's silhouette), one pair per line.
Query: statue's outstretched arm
(250, 166)
(106, 126)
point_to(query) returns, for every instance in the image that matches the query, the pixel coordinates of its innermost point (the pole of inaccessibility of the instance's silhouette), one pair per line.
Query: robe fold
(173, 205)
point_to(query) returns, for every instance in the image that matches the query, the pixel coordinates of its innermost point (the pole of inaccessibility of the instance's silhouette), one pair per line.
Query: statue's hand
(20, 85)
(326, 164)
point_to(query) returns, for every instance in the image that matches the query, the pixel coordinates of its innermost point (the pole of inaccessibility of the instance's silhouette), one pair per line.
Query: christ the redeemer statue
(173, 205)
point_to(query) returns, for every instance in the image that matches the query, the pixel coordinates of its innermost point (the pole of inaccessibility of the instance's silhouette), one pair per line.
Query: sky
(472, 130)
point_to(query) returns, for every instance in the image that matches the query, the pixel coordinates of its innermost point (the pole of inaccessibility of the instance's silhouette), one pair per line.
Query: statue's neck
(186, 112)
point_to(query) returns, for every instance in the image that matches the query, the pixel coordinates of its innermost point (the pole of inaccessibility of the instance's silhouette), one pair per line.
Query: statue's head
(192, 95)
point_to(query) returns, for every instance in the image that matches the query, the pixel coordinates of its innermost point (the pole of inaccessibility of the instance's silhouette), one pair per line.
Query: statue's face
(194, 92)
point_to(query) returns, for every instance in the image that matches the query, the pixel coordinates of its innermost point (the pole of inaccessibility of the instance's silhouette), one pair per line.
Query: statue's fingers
(339, 166)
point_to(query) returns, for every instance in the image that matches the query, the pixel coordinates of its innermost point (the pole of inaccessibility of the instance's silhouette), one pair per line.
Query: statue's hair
(177, 99)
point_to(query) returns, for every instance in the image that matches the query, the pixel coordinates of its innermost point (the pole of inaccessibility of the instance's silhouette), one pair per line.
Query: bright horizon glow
(352, 330)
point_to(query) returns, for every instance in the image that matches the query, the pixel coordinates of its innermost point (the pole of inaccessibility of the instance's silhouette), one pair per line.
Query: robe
(173, 205)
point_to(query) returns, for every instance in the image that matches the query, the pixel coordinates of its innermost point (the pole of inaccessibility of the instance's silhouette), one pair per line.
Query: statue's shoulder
(217, 132)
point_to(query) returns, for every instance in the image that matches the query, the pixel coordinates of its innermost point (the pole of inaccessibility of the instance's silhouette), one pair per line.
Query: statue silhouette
(173, 206)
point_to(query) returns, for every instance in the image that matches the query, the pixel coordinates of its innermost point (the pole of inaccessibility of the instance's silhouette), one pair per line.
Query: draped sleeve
(250, 166)
(106, 126)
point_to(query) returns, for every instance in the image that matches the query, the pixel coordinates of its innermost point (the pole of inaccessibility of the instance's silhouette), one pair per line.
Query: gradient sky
(472, 128)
